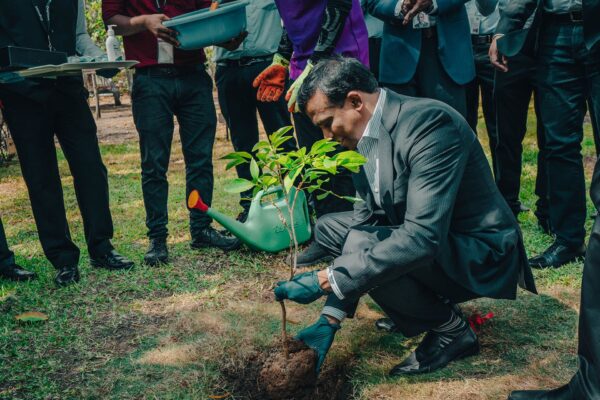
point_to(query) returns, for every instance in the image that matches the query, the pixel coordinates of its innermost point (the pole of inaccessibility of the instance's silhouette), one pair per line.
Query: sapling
(271, 166)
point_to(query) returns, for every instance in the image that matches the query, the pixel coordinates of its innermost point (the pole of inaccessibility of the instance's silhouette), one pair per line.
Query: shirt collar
(372, 128)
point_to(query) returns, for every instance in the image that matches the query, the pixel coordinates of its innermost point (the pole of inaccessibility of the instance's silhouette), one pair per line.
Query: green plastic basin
(204, 28)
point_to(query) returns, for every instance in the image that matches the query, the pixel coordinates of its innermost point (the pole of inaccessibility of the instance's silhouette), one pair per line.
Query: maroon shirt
(143, 46)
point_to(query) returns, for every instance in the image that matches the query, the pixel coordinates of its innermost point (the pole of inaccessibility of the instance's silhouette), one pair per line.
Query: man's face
(343, 124)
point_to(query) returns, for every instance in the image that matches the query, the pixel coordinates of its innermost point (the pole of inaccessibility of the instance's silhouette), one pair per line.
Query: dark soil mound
(266, 377)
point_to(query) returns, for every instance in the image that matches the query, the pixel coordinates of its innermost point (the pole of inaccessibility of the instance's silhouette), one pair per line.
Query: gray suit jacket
(437, 187)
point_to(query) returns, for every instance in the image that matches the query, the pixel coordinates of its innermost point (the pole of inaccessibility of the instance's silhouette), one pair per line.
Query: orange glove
(271, 82)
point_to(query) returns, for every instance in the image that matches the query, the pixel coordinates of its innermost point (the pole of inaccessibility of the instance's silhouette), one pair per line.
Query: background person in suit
(431, 59)
(568, 74)
(37, 110)
(429, 199)
(375, 29)
(9, 269)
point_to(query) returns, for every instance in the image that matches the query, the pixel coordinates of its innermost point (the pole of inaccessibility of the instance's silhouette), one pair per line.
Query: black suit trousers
(586, 382)
(512, 95)
(33, 127)
(568, 75)
(484, 82)
(417, 302)
(7, 258)
(238, 102)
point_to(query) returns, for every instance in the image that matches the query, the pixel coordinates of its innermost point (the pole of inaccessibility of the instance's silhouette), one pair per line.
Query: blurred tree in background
(93, 16)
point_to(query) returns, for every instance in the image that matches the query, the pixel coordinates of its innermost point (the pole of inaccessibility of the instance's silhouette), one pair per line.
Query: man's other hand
(303, 288)
(319, 337)
(410, 8)
(154, 24)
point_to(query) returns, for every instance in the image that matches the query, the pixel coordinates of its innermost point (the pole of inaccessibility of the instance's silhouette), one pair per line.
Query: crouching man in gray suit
(432, 230)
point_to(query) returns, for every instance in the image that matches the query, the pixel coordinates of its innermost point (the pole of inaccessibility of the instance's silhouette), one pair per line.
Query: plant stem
(286, 350)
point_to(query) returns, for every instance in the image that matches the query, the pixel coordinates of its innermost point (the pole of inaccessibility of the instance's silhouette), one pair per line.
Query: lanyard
(45, 21)
(160, 8)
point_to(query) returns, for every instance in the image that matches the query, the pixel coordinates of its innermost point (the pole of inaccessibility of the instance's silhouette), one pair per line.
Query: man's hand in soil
(319, 337)
(271, 82)
(303, 288)
(154, 24)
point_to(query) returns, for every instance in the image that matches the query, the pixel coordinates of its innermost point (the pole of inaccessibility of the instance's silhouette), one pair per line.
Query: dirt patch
(246, 379)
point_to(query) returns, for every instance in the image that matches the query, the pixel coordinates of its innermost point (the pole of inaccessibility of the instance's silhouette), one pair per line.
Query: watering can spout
(235, 227)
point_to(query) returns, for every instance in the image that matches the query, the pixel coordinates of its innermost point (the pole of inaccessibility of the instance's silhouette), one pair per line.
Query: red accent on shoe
(195, 201)
(476, 320)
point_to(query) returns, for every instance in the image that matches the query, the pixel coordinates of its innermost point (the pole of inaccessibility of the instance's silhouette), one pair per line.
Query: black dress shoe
(209, 237)
(243, 216)
(562, 393)
(111, 260)
(16, 273)
(157, 253)
(312, 255)
(556, 256)
(435, 352)
(386, 325)
(67, 276)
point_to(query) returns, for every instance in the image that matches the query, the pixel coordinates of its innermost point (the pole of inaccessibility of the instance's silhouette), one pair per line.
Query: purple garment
(302, 20)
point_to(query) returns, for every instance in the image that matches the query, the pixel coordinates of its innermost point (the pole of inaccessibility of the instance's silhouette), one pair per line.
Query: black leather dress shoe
(386, 325)
(562, 393)
(434, 353)
(312, 255)
(157, 253)
(67, 276)
(16, 273)
(209, 237)
(112, 260)
(556, 256)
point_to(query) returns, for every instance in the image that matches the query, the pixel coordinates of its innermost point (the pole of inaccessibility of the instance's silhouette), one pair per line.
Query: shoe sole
(97, 265)
(467, 353)
(156, 263)
(540, 266)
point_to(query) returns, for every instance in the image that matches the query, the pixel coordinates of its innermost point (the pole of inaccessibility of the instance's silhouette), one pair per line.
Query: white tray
(72, 68)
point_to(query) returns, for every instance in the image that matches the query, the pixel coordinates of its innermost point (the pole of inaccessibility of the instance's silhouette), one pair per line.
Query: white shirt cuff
(334, 286)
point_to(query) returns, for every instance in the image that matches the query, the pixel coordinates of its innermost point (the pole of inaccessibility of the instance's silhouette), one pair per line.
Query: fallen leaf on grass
(219, 396)
(32, 316)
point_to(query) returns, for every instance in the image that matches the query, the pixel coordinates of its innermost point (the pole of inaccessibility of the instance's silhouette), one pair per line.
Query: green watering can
(263, 230)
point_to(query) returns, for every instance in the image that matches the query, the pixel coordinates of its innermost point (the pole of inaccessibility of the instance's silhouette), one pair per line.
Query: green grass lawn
(190, 330)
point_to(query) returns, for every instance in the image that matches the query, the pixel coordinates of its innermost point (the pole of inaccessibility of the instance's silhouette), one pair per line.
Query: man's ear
(355, 100)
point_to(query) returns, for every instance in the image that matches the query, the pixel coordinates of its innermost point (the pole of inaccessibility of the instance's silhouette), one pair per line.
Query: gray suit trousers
(417, 302)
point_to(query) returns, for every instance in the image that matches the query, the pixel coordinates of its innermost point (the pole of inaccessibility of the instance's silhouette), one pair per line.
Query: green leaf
(322, 196)
(279, 141)
(32, 316)
(237, 154)
(235, 163)
(263, 144)
(322, 146)
(238, 185)
(254, 171)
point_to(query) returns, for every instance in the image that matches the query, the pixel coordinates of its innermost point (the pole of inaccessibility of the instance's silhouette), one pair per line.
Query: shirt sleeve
(85, 45)
(110, 8)
(334, 21)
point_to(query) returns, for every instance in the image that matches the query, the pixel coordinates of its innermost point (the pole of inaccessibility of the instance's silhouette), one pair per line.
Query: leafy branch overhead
(272, 166)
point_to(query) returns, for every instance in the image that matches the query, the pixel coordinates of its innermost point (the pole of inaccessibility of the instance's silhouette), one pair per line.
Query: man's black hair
(336, 77)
